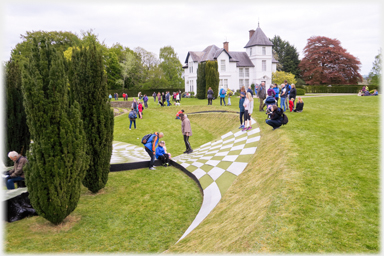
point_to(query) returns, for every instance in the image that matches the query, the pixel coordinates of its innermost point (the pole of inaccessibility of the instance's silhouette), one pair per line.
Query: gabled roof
(258, 38)
(274, 60)
(241, 58)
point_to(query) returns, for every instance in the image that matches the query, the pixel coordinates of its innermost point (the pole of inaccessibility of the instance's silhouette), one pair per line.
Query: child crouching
(161, 154)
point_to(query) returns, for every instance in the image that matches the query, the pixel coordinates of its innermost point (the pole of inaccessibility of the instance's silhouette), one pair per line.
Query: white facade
(256, 67)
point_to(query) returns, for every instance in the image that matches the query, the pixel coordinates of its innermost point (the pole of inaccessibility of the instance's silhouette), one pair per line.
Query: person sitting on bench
(17, 173)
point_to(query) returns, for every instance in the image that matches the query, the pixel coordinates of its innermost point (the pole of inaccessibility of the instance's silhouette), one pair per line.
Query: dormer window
(190, 66)
(223, 65)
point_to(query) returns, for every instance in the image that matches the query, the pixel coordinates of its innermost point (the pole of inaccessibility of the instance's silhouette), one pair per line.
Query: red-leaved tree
(326, 62)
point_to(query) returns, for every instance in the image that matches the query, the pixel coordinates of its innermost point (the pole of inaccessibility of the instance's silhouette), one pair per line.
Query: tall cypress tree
(18, 136)
(200, 83)
(89, 88)
(212, 77)
(57, 159)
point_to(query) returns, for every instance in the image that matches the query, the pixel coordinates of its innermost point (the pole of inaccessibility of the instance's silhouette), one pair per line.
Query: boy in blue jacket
(161, 154)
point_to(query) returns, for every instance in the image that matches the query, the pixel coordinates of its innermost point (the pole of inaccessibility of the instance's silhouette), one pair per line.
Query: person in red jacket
(140, 106)
(178, 113)
(291, 104)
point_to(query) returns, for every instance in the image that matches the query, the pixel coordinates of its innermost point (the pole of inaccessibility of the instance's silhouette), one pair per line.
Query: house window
(241, 72)
(246, 72)
(246, 83)
(241, 83)
(250, 51)
(223, 65)
(264, 52)
(225, 84)
(191, 86)
(190, 67)
(264, 65)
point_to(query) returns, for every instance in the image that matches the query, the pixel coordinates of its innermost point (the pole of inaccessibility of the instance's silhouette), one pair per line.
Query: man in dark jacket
(262, 95)
(250, 90)
(276, 117)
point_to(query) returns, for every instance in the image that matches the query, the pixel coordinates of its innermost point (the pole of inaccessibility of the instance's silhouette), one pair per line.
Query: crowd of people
(365, 92)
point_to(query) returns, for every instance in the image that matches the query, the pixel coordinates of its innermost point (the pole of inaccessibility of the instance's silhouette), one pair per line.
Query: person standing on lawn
(277, 90)
(222, 95)
(132, 118)
(262, 95)
(210, 95)
(229, 94)
(186, 131)
(248, 109)
(150, 147)
(140, 107)
(241, 106)
(283, 96)
(292, 94)
(145, 99)
(154, 96)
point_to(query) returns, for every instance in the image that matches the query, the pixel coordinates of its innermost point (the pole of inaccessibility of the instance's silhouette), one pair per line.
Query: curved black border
(145, 164)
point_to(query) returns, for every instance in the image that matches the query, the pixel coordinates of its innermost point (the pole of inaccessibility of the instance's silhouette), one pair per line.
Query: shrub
(300, 91)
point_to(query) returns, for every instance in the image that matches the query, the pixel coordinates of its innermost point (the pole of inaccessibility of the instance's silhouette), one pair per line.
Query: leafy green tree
(113, 71)
(201, 82)
(279, 77)
(18, 136)
(287, 56)
(62, 40)
(212, 76)
(127, 65)
(57, 159)
(374, 77)
(89, 88)
(156, 79)
(171, 66)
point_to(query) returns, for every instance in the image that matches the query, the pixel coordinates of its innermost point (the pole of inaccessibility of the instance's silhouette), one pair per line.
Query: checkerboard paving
(215, 164)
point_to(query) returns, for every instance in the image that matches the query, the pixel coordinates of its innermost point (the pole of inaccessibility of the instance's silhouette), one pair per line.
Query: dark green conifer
(89, 88)
(200, 83)
(57, 159)
(18, 137)
(212, 77)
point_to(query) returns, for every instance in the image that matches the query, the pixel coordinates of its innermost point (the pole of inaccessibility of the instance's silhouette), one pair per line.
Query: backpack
(132, 115)
(285, 119)
(145, 139)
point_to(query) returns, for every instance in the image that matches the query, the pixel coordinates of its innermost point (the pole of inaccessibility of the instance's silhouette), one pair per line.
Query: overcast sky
(194, 25)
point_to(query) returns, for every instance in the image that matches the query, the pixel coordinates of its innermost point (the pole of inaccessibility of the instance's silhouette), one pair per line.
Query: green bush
(300, 91)
(336, 88)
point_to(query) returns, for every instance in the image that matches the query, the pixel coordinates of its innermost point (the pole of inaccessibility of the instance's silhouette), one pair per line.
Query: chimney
(225, 46)
(251, 33)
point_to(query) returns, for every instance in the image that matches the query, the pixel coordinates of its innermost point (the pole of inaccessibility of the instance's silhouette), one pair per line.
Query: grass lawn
(138, 211)
(312, 186)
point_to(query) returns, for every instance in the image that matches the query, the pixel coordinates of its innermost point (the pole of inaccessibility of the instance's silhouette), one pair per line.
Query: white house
(236, 69)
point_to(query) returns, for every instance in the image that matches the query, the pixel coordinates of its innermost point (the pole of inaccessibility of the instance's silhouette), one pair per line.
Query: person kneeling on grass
(276, 117)
(162, 154)
(178, 114)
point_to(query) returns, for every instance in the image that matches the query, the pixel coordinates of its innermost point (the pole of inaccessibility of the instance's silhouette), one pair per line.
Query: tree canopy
(279, 77)
(287, 56)
(326, 62)
(374, 77)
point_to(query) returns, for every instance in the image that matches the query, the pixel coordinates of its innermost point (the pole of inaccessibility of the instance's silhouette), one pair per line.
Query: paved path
(215, 164)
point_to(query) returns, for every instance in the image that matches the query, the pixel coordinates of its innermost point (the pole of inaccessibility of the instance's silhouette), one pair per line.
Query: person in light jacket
(186, 131)
(248, 107)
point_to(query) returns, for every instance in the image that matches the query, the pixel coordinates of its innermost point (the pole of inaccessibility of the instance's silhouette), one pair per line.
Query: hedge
(337, 88)
(300, 91)
(134, 93)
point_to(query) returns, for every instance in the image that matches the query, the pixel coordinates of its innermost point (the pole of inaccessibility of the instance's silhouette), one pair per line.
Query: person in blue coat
(223, 92)
(277, 91)
(161, 154)
(150, 147)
